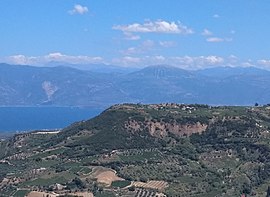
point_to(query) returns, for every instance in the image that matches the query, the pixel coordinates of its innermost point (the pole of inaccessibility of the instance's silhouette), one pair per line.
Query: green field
(120, 184)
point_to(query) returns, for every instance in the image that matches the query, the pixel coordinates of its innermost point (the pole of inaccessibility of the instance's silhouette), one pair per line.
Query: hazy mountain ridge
(66, 86)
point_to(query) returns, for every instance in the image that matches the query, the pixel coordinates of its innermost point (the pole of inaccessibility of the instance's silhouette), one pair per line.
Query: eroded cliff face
(161, 129)
(49, 89)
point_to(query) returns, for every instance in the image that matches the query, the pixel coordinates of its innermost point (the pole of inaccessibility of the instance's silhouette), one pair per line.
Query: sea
(22, 119)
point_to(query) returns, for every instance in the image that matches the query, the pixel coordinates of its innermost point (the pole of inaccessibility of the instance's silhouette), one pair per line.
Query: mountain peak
(163, 71)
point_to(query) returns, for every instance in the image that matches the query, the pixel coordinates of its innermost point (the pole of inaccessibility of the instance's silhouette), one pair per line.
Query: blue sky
(190, 34)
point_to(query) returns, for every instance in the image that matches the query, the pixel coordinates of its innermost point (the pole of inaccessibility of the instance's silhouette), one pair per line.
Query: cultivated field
(159, 185)
(41, 194)
(106, 176)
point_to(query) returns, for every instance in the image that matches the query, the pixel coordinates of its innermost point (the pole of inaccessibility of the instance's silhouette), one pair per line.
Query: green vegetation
(120, 184)
(105, 194)
(189, 150)
(61, 178)
(21, 193)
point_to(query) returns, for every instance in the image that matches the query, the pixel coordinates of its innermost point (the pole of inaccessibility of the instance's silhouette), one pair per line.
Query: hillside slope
(175, 149)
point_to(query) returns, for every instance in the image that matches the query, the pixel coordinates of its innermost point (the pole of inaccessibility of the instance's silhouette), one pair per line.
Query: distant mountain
(160, 84)
(25, 85)
(66, 86)
(224, 72)
(100, 68)
(163, 71)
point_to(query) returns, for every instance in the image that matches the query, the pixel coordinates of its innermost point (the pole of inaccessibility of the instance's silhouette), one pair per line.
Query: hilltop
(145, 150)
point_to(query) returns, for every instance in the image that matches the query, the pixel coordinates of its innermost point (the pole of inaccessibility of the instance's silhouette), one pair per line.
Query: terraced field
(156, 185)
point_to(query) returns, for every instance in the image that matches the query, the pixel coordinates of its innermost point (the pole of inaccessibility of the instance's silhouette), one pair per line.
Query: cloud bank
(132, 58)
(159, 26)
(52, 57)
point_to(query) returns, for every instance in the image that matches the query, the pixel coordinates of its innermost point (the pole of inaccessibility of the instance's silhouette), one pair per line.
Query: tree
(78, 182)
(132, 188)
(268, 192)
(38, 159)
(246, 189)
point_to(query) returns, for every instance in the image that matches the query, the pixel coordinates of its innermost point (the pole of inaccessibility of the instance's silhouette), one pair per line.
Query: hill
(224, 72)
(98, 87)
(145, 150)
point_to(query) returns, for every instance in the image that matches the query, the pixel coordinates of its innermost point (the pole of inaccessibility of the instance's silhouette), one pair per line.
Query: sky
(191, 34)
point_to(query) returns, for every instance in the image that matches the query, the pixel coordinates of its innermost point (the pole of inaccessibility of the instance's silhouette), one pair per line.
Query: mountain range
(22, 85)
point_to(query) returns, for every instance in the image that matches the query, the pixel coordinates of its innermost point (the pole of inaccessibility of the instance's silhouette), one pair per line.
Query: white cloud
(232, 60)
(212, 60)
(158, 26)
(206, 32)
(217, 39)
(55, 56)
(80, 59)
(247, 64)
(185, 62)
(167, 44)
(131, 58)
(130, 50)
(70, 59)
(198, 62)
(216, 16)
(130, 36)
(134, 58)
(211, 38)
(143, 47)
(264, 62)
(159, 58)
(78, 9)
(147, 46)
(189, 62)
(20, 59)
(127, 61)
(52, 57)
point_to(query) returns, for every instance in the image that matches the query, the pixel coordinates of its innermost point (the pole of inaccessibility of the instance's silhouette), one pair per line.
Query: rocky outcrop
(161, 129)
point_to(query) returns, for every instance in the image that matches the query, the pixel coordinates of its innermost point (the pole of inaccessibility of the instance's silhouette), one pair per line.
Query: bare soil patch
(41, 194)
(106, 176)
(82, 194)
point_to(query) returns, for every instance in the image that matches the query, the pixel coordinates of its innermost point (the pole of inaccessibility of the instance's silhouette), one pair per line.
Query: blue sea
(16, 119)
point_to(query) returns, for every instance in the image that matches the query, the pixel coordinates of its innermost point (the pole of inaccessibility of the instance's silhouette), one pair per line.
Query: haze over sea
(13, 119)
